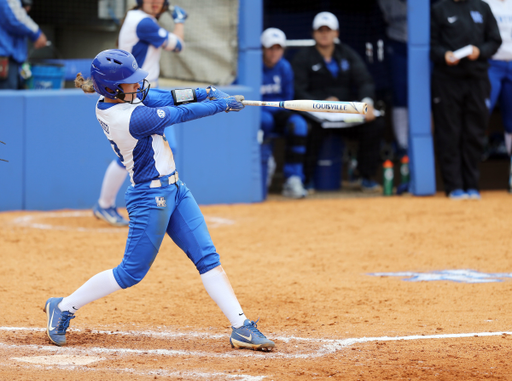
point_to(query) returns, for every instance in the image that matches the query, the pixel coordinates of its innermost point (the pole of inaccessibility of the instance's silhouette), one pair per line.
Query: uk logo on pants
(160, 202)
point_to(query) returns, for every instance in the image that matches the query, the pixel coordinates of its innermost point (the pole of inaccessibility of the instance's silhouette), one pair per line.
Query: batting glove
(235, 103)
(179, 15)
(216, 93)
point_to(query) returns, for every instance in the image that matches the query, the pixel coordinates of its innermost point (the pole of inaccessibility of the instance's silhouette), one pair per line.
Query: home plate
(59, 360)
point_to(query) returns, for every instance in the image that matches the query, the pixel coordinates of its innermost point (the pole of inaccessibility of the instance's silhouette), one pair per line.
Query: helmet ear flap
(120, 95)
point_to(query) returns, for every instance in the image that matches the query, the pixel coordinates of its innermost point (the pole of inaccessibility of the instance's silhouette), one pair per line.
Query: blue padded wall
(421, 147)
(58, 153)
(67, 152)
(12, 132)
(250, 74)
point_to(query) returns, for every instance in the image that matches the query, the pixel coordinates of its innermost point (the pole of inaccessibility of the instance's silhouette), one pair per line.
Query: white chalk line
(59, 360)
(328, 346)
(31, 221)
(154, 372)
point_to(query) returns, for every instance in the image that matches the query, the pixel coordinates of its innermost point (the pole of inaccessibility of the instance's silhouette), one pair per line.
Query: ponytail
(84, 84)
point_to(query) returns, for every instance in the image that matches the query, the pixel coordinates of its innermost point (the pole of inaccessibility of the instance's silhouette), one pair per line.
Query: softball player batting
(144, 38)
(133, 119)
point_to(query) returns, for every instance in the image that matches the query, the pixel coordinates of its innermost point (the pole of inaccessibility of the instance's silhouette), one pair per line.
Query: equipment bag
(4, 67)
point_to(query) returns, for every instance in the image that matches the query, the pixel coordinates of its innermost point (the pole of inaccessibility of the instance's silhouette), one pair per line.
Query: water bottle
(369, 52)
(25, 71)
(404, 170)
(388, 178)
(380, 50)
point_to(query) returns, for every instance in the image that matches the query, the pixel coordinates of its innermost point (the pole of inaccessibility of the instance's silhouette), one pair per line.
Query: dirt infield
(303, 267)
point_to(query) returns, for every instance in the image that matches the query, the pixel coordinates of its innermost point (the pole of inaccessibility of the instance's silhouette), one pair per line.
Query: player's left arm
(160, 98)
(147, 121)
(177, 97)
(173, 43)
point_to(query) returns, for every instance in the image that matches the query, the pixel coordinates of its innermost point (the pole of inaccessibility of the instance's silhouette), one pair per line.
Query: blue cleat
(248, 336)
(458, 194)
(473, 194)
(110, 215)
(58, 321)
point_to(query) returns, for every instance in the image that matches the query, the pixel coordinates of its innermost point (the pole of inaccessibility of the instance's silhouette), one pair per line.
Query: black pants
(368, 135)
(459, 107)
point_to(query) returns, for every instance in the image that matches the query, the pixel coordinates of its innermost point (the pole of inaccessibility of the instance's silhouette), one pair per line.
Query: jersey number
(116, 150)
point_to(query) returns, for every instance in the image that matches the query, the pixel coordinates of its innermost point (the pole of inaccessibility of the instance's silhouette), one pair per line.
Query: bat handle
(251, 103)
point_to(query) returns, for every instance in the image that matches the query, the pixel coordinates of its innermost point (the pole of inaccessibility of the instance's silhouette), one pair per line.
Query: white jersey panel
(164, 160)
(128, 39)
(502, 11)
(115, 122)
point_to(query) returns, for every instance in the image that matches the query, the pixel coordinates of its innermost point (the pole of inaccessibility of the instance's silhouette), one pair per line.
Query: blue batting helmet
(112, 67)
(139, 3)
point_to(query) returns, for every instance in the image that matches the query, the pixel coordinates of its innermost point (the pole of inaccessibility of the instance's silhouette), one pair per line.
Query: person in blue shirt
(278, 86)
(134, 120)
(142, 36)
(15, 27)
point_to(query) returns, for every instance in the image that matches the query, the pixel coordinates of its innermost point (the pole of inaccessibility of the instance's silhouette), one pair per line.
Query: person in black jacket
(334, 71)
(461, 89)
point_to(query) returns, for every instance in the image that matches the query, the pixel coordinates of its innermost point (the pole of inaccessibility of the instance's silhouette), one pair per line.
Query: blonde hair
(84, 84)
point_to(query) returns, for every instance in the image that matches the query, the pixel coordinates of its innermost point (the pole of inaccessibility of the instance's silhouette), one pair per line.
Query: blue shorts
(500, 76)
(153, 212)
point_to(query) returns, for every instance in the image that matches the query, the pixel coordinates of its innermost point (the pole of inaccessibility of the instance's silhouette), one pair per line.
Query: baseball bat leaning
(315, 106)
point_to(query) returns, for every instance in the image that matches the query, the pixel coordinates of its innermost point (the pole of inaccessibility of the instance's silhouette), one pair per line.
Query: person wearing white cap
(334, 71)
(278, 86)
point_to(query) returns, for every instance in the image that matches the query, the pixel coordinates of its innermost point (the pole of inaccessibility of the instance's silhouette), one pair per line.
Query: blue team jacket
(15, 27)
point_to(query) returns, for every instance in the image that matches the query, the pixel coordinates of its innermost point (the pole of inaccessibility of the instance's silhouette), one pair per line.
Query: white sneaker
(294, 188)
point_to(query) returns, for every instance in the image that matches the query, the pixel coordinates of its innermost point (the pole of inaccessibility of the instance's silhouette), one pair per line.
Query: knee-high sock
(217, 285)
(508, 142)
(401, 126)
(112, 181)
(97, 287)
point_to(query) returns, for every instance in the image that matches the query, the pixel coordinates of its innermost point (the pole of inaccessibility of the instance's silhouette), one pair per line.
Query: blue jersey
(144, 38)
(277, 82)
(15, 27)
(136, 131)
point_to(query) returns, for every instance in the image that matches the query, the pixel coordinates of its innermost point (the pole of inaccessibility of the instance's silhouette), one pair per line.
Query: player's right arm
(147, 121)
(179, 16)
(150, 32)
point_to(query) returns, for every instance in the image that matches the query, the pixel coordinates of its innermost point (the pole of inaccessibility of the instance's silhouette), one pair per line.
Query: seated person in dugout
(333, 71)
(278, 86)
